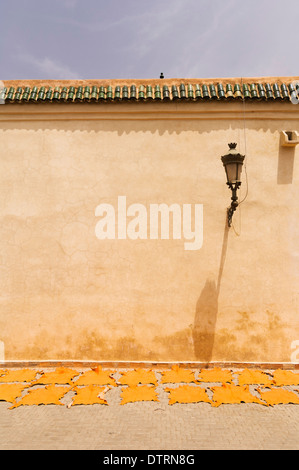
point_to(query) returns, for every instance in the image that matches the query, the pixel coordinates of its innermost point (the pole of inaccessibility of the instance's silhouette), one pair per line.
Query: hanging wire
(245, 162)
(244, 132)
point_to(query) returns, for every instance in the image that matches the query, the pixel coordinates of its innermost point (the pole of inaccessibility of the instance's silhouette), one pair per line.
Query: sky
(138, 39)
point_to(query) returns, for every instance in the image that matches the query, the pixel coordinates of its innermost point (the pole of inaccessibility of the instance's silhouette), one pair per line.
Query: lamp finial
(232, 145)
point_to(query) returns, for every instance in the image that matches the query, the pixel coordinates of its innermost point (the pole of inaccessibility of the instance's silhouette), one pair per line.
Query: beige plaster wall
(66, 295)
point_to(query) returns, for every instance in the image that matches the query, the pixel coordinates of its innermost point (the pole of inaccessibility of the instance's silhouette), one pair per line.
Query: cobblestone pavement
(149, 425)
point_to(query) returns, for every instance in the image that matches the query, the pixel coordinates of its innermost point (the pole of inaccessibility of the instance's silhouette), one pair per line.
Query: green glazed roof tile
(102, 93)
(56, 94)
(166, 95)
(220, 90)
(33, 94)
(213, 93)
(190, 91)
(237, 91)
(229, 91)
(253, 90)
(261, 90)
(117, 93)
(3, 92)
(269, 92)
(86, 95)
(156, 92)
(63, 95)
(71, 93)
(141, 93)
(197, 91)
(291, 87)
(41, 94)
(49, 94)
(94, 93)
(183, 91)
(79, 94)
(19, 94)
(149, 92)
(10, 94)
(174, 92)
(205, 92)
(276, 91)
(109, 94)
(125, 93)
(26, 93)
(246, 92)
(133, 92)
(284, 90)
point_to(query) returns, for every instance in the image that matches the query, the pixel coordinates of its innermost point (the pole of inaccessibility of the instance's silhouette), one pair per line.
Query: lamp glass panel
(239, 171)
(232, 172)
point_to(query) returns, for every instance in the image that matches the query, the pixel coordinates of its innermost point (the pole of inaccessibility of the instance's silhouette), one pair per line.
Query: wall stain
(265, 339)
(250, 340)
(175, 347)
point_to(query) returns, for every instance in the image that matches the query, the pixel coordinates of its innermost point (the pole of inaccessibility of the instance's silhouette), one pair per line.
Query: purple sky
(96, 39)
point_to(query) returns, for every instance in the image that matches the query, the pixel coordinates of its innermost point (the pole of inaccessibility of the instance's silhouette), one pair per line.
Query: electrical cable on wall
(245, 162)
(244, 131)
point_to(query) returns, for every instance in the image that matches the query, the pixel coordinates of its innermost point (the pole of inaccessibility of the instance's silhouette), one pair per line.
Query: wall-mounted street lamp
(232, 163)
